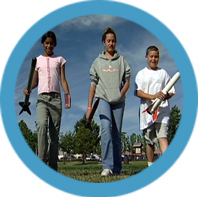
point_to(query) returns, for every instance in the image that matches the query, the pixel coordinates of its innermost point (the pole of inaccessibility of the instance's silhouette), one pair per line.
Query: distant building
(138, 151)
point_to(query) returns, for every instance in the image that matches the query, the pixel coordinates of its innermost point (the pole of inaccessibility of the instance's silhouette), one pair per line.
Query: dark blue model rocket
(26, 103)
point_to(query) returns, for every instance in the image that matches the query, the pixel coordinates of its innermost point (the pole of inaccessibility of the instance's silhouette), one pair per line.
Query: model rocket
(153, 109)
(26, 103)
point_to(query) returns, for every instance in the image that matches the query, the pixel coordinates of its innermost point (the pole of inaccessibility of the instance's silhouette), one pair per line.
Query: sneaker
(106, 172)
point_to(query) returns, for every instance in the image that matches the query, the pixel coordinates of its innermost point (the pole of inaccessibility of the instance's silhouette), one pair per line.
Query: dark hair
(108, 30)
(151, 48)
(49, 34)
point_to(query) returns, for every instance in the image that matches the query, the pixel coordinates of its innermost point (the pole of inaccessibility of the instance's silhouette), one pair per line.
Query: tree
(175, 117)
(126, 143)
(133, 140)
(66, 142)
(30, 137)
(86, 140)
(141, 139)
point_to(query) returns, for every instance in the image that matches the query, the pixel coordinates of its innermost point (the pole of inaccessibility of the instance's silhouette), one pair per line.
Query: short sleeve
(139, 81)
(62, 61)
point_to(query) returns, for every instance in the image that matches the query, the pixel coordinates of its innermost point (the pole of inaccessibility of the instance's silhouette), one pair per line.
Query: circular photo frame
(139, 180)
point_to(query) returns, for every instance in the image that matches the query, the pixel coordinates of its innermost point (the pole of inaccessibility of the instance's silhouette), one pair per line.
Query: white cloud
(91, 22)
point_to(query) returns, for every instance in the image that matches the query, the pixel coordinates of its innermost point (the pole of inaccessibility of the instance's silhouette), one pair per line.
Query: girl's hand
(67, 101)
(89, 109)
(25, 91)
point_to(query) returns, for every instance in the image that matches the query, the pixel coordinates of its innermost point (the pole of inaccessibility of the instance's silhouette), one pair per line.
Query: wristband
(89, 108)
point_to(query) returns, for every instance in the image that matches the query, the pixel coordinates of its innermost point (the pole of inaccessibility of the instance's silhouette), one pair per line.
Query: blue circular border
(189, 108)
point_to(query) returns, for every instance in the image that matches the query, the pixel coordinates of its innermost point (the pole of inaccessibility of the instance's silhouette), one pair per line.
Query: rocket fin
(25, 108)
(155, 115)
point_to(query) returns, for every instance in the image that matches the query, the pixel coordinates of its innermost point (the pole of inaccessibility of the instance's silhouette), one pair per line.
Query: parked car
(93, 158)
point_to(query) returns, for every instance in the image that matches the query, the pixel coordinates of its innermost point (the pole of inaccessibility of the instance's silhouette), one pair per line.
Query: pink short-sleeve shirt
(49, 73)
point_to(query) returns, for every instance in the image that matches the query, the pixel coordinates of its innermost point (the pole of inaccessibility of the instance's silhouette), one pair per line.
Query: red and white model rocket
(153, 109)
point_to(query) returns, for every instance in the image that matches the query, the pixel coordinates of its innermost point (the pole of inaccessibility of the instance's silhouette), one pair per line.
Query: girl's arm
(90, 100)
(64, 81)
(125, 88)
(35, 80)
(65, 87)
(127, 76)
(34, 84)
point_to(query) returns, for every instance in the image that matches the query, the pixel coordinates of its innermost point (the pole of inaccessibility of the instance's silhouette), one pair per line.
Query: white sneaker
(150, 163)
(106, 172)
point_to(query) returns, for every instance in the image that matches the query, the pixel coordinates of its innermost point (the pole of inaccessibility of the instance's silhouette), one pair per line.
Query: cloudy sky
(79, 42)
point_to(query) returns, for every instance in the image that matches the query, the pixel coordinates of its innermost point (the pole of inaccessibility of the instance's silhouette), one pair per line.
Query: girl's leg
(106, 139)
(55, 108)
(118, 112)
(42, 114)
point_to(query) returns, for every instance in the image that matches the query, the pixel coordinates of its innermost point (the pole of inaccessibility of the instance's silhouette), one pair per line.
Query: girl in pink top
(49, 71)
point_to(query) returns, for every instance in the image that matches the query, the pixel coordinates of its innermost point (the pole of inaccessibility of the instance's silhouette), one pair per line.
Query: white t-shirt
(151, 82)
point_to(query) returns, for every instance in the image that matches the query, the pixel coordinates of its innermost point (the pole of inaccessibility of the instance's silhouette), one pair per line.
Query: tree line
(85, 139)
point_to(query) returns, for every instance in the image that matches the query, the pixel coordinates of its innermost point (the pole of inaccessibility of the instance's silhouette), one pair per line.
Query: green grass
(91, 171)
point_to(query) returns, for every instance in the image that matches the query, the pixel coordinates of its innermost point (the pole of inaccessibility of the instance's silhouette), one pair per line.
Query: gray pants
(49, 110)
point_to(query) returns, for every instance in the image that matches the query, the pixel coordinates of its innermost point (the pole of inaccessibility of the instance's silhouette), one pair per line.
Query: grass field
(91, 171)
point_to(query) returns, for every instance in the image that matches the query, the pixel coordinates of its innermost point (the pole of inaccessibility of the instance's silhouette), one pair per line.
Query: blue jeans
(111, 117)
(49, 110)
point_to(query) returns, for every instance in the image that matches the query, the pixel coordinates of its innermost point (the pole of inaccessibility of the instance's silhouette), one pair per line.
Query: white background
(181, 17)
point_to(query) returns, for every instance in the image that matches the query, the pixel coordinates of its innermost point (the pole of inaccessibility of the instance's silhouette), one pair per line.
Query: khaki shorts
(156, 131)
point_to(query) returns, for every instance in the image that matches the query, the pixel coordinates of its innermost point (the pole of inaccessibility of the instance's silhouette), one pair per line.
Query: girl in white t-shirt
(150, 82)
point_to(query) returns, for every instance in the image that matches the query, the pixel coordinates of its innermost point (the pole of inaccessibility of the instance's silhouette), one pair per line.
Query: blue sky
(79, 42)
